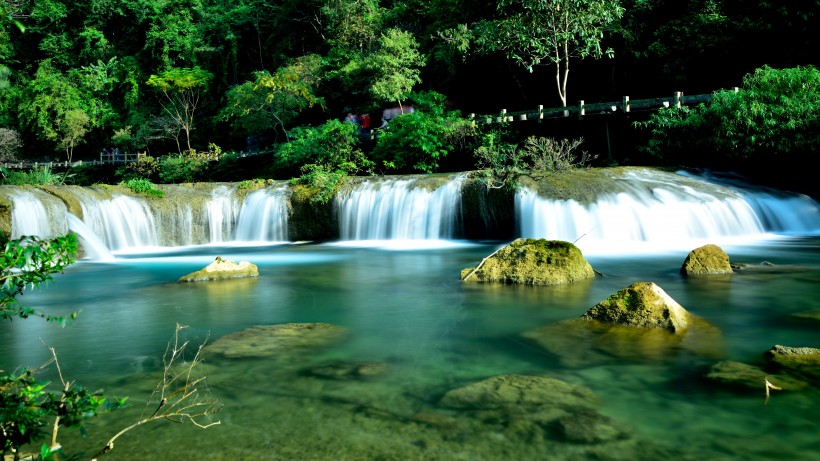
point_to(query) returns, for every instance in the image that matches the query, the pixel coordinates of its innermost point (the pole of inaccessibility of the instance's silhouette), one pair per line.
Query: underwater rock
(642, 304)
(222, 269)
(750, 377)
(344, 370)
(532, 262)
(707, 260)
(589, 427)
(769, 268)
(520, 391)
(275, 340)
(803, 359)
(810, 315)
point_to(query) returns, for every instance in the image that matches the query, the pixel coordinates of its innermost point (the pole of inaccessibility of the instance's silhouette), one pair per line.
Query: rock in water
(706, 260)
(222, 269)
(532, 262)
(520, 391)
(275, 340)
(642, 304)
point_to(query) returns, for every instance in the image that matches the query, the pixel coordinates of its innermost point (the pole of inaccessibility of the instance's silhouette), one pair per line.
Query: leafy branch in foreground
(29, 262)
(181, 394)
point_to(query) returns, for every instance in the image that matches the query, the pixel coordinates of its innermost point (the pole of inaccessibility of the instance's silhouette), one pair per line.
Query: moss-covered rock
(532, 262)
(744, 376)
(5, 217)
(707, 260)
(222, 269)
(520, 391)
(274, 341)
(802, 359)
(309, 219)
(642, 304)
(68, 195)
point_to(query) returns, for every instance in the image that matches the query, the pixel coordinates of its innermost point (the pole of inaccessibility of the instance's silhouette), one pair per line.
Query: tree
(10, 145)
(180, 88)
(396, 65)
(273, 100)
(533, 31)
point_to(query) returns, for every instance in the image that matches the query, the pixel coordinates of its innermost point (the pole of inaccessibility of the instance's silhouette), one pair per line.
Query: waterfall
(222, 212)
(400, 209)
(264, 217)
(39, 213)
(121, 222)
(663, 210)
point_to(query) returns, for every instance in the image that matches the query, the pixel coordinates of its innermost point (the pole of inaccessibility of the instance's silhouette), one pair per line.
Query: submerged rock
(706, 260)
(517, 391)
(275, 340)
(642, 304)
(532, 262)
(802, 359)
(346, 371)
(589, 427)
(222, 269)
(750, 377)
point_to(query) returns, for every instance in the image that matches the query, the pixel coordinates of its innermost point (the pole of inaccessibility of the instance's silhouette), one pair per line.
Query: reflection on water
(415, 333)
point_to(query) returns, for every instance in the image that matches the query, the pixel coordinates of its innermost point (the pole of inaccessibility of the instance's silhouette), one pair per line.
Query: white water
(658, 210)
(222, 213)
(121, 222)
(391, 209)
(37, 213)
(263, 217)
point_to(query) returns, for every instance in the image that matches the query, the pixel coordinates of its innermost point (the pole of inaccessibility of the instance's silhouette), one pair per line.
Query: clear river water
(404, 307)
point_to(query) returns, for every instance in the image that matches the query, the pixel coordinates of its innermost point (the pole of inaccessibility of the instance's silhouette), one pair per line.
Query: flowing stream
(407, 311)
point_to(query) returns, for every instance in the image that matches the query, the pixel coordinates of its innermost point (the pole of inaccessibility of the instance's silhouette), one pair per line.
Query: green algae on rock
(275, 340)
(706, 260)
(222, 269)
(532, 262)
(642, 304)
(517, 391)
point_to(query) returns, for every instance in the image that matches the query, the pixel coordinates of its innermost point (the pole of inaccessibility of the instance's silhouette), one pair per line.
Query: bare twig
(178, 394)
(481, 264)
(769, 386)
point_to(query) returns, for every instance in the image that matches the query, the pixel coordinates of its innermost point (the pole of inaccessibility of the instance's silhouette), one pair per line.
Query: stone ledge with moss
(532, 262)
(222, 269)
(275, 341)
(706, 260)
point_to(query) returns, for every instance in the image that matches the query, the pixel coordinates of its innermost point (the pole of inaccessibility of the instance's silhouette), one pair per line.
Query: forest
(199, 79)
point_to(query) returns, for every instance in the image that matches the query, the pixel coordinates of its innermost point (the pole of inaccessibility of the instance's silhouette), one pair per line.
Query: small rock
(706, 260)
(222, 269)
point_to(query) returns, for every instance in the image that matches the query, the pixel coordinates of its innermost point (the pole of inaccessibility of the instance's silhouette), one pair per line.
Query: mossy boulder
(532, 262)
(642, 304)
(222, 269)
(707, 260)
(805, 360)
(745, 376)
(520, 392)
(274, 341)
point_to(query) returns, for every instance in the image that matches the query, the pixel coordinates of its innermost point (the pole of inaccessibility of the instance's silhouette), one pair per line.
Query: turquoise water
(408, 310)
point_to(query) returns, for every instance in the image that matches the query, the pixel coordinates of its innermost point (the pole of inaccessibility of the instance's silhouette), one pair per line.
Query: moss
(65, 194)
(533, 262)
(309, 219)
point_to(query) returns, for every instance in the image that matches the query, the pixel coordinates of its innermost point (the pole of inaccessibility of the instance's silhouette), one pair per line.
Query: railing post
(503, 117)
(581, 110)
(678, 99)
(626, 104)
(540, 112)
(735, 89)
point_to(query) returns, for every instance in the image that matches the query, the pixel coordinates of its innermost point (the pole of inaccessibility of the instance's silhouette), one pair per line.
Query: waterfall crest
(264, 217)
(400, 209)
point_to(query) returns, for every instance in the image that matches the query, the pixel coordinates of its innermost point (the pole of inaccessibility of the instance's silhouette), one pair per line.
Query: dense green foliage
(168, 77)
(774, 118)
(144, 187)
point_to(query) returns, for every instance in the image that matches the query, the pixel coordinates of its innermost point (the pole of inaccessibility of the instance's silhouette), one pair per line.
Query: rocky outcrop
(275, 340)
(642, 304)
(520, 391)
(706, 260)
(222, 269)
(532, 262)
(805, 360)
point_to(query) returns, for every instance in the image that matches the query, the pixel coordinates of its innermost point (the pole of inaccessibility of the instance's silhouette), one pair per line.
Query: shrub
(144, 187)
(187, 167)
(774, 117)
(41, 176)
(10, 144)
(421, 139)
(146, 167)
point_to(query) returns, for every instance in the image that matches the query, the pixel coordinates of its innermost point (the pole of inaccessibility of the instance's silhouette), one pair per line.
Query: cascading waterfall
(222, 213)
(400, 209)
(120, 221)
(662, 209)
(37, 213)
(263, 217)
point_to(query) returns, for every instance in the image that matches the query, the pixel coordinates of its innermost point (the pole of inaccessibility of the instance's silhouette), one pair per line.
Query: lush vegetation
(167, 79)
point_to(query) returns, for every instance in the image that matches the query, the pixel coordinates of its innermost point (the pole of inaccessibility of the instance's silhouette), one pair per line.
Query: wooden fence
(582, 109)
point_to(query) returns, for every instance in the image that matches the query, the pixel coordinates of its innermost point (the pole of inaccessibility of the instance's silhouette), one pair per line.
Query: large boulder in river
(520, 391)
(642, 304)
(805, 360)
(275, 340)
(532, 262)
(707, 260)
(222, 269)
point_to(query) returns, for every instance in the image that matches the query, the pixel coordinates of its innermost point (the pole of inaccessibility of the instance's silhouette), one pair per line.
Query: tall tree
(396, 65)
(181, 90)
(556, 31)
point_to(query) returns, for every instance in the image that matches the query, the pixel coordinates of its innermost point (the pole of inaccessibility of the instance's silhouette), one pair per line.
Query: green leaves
(396, 65)
(30, 262)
